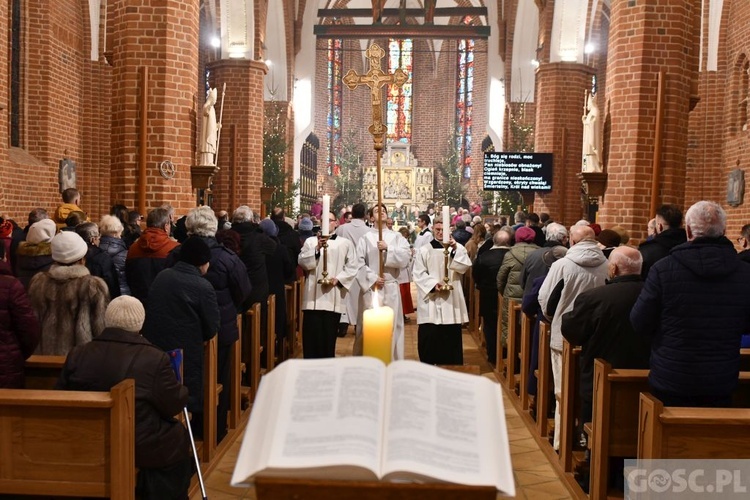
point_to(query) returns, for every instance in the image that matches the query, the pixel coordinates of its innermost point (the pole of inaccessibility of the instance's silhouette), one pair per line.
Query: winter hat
(125, 313)
(305, 224)
(68, 247)
(6, 229)
(269, 227)
(596, 227)
(195, 251)
(525, 234)
(624, 235)
(44, 230)
(608, 238)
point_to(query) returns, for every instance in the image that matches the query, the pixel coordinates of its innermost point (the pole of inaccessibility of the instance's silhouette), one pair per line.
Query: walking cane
(195, 453)
(175, 359)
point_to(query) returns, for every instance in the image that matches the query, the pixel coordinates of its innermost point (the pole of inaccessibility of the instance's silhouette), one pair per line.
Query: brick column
(162, 36)
(641, 44)
(244, 109)
(559, 130)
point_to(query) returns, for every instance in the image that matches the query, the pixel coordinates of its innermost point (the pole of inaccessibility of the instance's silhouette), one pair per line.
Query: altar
(407, 187)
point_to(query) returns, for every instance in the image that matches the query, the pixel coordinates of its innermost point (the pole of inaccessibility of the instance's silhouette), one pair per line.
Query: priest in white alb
(396, 257)
(323, 304)
(440, 312)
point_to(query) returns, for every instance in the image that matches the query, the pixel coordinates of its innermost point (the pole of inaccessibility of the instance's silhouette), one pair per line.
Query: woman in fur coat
(69, 302)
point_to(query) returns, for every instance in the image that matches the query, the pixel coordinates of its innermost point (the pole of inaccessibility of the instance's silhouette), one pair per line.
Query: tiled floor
(535, 477)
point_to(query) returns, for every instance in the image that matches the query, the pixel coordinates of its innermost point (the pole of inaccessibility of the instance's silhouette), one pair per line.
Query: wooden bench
(692, 433)
(500, 361)
(569, 403)
(251, 349)
(211, 390)
(271, 334)
(513, 345)
(526, 338)
(614, 429)
(68, 443)
(544, 381)
(42, 372)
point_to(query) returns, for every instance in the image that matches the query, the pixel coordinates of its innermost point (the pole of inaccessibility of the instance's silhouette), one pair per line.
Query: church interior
(108, 96)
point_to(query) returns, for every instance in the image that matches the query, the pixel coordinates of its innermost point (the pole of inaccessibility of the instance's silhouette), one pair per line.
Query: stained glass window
(335, 55)
(399, 101)
(464, 104)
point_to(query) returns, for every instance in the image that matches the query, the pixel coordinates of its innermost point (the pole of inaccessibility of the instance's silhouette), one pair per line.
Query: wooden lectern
(297, 489)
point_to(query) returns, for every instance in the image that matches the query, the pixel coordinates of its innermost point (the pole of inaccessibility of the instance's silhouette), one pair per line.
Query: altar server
(440, 312)
(396, 257)
(323, 304)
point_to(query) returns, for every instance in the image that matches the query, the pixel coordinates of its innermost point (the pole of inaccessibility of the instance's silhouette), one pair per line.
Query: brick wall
(559, 130)
(163, 37)
(641, 44)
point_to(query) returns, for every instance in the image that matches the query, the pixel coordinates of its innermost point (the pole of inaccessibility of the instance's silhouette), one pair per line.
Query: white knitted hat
(68, 247)
(43, 230)
(125, 313)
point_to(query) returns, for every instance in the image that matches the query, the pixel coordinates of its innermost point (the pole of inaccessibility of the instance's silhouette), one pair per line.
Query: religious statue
(591, 137)
(210, 132)
(66, 175)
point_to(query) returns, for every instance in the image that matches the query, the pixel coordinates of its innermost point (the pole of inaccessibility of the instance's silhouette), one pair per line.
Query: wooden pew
(545, 383)
(500, 364)
(468, 284)
(235, 373)
(526, 337)
(298, 342)
(271, 334)
(70, 443)
(291, 321)
(479, 337)
(614, 427)
(251, 348)
(42, 372)
(513, 344)
(692, 433)
(210, 398)
(570, 403)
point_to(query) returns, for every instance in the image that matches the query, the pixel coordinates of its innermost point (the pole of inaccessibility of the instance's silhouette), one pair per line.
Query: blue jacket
(696, 306)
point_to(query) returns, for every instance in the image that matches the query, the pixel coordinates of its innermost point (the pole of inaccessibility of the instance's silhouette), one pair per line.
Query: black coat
(696, 306)
(600, 323)
(182, 315)
(290, 239)
(118, 252)
(116, 355)
(256, 246)
(228, 275)
(485, 269)
(100, 264)
(657, 248)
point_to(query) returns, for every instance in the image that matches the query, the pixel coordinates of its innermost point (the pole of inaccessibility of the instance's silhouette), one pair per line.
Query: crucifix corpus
(375, 79)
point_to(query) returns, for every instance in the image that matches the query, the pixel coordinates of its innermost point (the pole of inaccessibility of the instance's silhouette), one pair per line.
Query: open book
(356, 419)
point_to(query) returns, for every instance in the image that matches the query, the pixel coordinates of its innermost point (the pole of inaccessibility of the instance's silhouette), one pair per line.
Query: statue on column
(210, 131)
(591, 137)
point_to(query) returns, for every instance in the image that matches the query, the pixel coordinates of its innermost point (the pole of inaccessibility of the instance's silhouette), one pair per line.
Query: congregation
(679, 303)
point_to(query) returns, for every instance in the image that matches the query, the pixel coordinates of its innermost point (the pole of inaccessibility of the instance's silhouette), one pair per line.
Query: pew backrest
(692, 433)
(71, 443)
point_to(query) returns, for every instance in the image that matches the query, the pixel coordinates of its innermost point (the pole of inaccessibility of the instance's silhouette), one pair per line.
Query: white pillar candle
(377, 333)
(446, 224)
(325, 223)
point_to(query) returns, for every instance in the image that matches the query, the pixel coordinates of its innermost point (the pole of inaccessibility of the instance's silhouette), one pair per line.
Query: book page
(445, 426)
(327, 414)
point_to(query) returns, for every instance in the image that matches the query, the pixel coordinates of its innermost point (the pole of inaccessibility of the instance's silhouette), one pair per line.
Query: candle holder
(325, 280)
(446, 285)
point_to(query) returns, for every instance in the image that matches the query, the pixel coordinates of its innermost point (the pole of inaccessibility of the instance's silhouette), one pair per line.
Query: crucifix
(375, 79)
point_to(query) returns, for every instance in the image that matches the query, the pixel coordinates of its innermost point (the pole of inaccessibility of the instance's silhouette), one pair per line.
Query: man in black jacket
(98, 262)
(161, 442)
(695, 304)
(669, 234)
(182, 313)
(288, 237)
(600, 323)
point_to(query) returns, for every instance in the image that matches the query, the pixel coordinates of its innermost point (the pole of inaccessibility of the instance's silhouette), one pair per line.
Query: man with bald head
(600, 323)
(584, 267)
(695, 304)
